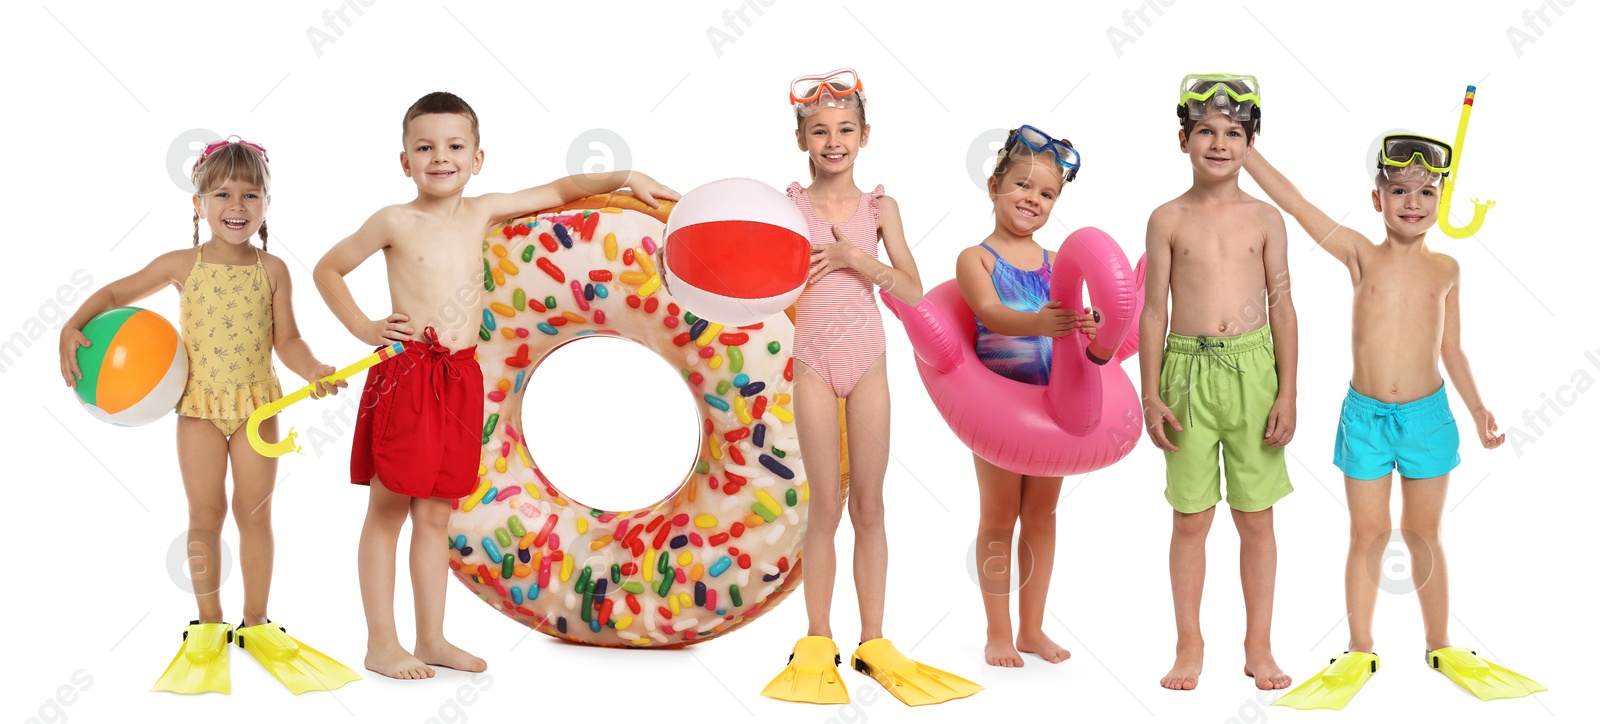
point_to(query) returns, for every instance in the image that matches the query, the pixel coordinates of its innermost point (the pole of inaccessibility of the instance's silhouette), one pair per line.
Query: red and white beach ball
(736, 252)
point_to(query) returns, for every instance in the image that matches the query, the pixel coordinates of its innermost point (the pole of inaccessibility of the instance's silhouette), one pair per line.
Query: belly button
(1394, 388)
(1222, 327)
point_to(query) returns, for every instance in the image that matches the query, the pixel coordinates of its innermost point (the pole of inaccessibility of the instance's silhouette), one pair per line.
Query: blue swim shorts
(1418, 437)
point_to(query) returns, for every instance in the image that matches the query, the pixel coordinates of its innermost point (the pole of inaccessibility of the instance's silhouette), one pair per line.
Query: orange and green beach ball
(134, 369)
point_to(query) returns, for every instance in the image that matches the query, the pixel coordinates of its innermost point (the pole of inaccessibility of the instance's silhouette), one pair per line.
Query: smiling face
(832, 137)
(1217, 146)
(1025, 194)
(1408, 198)
(234, 211)
(441, 153)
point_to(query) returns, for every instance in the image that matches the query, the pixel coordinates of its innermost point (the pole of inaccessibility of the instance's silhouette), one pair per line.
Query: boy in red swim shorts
(419, 431)
(418, 428)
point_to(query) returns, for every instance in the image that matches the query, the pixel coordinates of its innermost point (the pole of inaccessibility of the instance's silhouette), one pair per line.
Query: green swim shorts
(1221, 389)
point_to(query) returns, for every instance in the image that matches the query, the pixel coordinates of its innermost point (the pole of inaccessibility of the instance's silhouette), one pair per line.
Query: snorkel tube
(1480, 209)
(287, 445)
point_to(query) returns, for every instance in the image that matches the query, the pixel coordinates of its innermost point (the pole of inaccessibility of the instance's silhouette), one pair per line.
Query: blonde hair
(800, 125)
(233, 162)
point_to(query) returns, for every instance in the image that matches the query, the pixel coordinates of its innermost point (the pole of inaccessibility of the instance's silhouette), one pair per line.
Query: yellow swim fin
(201, 665)
(812, 675)
(297, 666)
(910, 682)
(1334, 686)
(1481, 677)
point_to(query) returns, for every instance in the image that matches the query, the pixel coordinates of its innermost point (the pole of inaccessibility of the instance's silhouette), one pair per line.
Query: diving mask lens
(1236, 96)
(838, 89)
(1400, 151)
(1040, 142)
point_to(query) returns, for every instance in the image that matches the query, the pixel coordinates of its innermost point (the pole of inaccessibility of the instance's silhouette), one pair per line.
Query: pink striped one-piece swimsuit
(838, 331)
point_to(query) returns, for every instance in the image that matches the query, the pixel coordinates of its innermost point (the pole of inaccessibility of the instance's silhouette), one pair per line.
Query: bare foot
(1185, 673)
(1265, 671)
(1035, 642)
(999, 652)
(443, 653)
(396, 663)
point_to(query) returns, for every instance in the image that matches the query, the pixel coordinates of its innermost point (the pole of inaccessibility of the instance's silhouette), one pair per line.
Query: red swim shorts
(420, 427)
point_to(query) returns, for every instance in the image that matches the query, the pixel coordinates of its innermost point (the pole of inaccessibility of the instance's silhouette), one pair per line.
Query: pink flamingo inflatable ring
(1088, 416)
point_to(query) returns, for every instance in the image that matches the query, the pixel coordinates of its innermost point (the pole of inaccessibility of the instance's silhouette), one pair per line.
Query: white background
(98, 94)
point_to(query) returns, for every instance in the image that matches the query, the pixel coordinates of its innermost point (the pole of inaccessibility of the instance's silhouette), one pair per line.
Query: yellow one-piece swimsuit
(227, 331)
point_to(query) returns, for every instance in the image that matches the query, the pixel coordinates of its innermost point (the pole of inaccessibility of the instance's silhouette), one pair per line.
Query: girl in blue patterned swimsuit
(1024, 359)
(1006, 282)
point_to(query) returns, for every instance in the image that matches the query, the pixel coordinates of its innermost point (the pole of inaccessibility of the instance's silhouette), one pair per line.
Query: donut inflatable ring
(1089, 415)
(717, 551)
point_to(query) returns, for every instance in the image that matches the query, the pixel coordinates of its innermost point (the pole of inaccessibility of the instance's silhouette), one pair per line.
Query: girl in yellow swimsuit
(234, 312)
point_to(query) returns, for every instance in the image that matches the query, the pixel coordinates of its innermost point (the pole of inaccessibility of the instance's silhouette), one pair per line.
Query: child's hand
(71, 340)
(323, 387)
(1156, 416)
(1088, 322)
(831, 257)
(1484, 420)
(387, 331)
(648, 189)
(1053, 321)
(1280, 423)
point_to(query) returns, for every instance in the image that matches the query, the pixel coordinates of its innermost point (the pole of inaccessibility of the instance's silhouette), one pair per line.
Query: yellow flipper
(812, 675)
(1334, 686)
(297, 666)
(1482, 678)
(201, 665)
(914, 683)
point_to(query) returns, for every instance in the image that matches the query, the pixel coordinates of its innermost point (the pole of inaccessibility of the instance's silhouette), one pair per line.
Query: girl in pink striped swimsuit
(839, 346)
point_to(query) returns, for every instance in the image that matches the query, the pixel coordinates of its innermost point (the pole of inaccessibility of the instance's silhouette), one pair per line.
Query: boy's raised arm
(501, 207)
(1340, 241)
(344, 257)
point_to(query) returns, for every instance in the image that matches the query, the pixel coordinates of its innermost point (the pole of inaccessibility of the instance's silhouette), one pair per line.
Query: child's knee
(823, 516)
(866, 511)
(1039, 516)
(1420, 535)
(250, 521)
(1365, 530)
(1002, 521)
(387, 506)
(247, 512)
(207, 516)
(431, 515)
(1192, 525)
(1254, 525)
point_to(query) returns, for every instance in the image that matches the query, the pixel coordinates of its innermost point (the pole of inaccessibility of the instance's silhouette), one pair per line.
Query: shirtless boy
(418, 432)
(1406, 319)
(1226, 377)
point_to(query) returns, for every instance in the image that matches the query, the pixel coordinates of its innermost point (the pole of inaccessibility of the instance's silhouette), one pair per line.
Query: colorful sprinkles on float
(724, 545)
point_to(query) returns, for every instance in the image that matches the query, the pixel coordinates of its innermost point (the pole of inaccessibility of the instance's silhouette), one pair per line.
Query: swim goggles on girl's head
(1039, 142)
(1235, 96)
(838, 89)
(258, 148)
(1401, 150)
